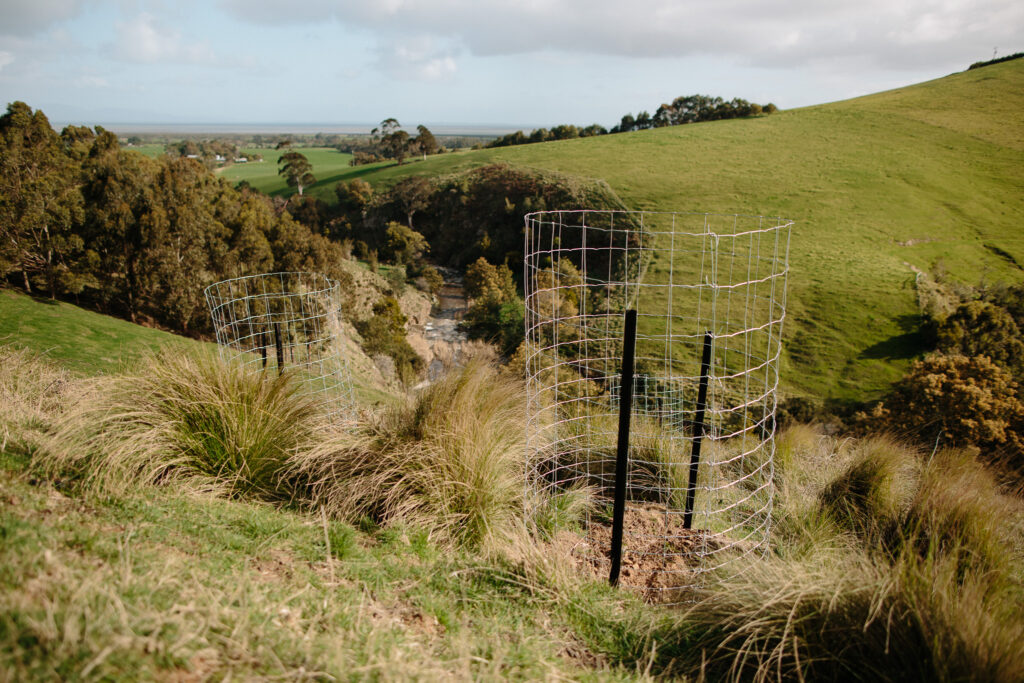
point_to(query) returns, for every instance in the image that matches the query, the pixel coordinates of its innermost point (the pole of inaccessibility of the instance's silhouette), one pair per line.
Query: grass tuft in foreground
(193, 419)
(889, 565)
(449, 460)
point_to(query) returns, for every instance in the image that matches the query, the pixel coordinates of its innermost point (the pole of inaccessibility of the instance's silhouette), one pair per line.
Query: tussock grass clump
(849, 617)
(450, 459)
(214, 424)
(876, 488)
(890, 565)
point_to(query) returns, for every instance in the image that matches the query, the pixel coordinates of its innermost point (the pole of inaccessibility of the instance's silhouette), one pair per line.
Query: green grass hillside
(83, 341)
(927, 177)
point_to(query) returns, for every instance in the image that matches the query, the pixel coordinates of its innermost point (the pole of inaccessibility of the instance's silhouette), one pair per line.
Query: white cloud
(21, 17)
(146, 40)
(5, 59)
(416, 59)
(89, 81)
(893, 34)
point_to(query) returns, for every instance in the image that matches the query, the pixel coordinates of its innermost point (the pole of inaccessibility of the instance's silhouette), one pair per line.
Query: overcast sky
(518, 63)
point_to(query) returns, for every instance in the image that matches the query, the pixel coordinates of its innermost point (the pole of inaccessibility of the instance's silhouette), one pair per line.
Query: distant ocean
(293, 128)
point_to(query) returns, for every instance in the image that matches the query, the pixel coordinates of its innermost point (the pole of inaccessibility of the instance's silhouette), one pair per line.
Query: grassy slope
(84, 341)
(162, 585)
(92, 343)
(936, 165)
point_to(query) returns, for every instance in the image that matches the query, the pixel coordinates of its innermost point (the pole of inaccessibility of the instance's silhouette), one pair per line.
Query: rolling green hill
(927, 177)
(84, 341)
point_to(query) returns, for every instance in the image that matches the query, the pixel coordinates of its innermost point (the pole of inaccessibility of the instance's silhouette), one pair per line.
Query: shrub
(384, 333)
(216, 425)
(496, 313)
(980, 328)
(396, 280)
(961, 401)
(432, 279)
(403, 245)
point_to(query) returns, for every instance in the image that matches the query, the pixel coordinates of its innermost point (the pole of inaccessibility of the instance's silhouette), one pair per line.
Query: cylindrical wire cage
(705, 287)
(274, 322)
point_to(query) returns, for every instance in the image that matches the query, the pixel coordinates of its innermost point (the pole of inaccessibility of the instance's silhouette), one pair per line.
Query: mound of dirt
(660, 557)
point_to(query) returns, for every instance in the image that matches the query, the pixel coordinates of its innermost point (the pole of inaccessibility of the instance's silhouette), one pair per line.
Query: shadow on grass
(39, 299)
(912, 342)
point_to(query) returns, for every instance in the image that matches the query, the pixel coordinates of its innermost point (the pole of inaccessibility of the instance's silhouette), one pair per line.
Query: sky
(503, 63)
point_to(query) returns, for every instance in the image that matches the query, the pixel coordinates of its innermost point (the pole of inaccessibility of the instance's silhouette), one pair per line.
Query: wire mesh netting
(274, 322)
(705, 287)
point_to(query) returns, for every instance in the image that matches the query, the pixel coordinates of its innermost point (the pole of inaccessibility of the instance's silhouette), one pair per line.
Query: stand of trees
(140, 238)
(389, 141)
(132, 236)
(682, 110)
(996, 60)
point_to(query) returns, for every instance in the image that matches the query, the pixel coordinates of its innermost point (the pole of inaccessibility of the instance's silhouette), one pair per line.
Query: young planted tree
(296, 170)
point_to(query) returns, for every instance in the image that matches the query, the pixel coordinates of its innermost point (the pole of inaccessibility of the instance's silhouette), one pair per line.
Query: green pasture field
(926, 177)
(150, 150)
(329, 166)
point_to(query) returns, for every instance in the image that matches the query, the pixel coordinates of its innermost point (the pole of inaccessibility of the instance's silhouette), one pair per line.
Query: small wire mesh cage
(709, 295)
(274, 322)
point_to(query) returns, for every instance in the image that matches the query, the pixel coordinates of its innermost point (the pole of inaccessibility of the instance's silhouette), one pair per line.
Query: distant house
(191, 156)
(219, 157)
(241, 160)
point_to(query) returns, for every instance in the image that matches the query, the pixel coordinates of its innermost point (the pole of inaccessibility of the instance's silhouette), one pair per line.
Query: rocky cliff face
(431, 329)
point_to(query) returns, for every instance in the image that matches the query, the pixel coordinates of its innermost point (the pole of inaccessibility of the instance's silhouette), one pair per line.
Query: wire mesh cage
(274, 322)
(709, 295)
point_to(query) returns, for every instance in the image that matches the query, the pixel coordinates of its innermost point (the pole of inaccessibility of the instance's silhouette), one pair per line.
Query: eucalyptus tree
(296, 170)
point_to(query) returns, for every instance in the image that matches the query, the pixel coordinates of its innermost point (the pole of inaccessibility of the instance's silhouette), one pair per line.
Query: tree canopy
(296, 170)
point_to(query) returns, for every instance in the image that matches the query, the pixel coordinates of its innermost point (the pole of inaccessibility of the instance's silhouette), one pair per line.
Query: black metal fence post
(280, 347)
(699, 428)
(622, 452)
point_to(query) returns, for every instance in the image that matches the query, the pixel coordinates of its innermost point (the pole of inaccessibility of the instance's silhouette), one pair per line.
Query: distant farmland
(329, 166)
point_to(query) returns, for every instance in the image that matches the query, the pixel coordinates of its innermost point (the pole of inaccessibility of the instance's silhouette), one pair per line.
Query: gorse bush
(980, 328)
(216, 425)
(958, 401)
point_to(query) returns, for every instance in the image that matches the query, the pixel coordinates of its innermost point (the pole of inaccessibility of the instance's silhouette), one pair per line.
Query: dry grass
(450, 459)
(196, 421)
(32, 391)
(891, 565)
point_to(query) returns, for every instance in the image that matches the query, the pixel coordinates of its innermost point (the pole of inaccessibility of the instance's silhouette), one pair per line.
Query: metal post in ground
(622, 452)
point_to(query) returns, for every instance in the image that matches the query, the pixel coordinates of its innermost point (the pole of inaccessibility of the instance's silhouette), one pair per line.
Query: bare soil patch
(659, 556)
